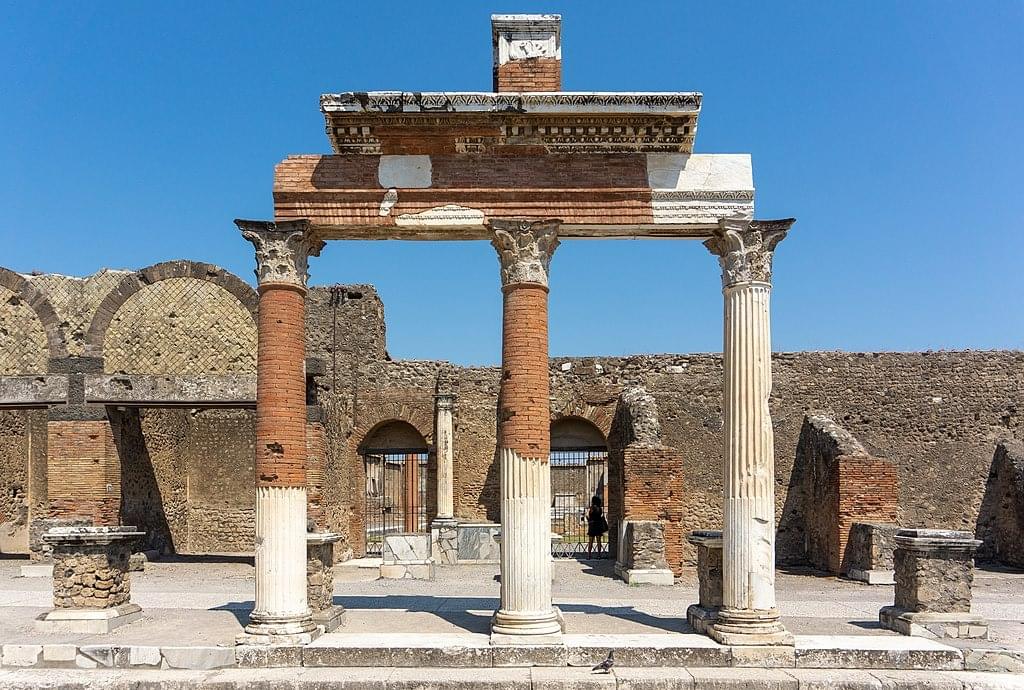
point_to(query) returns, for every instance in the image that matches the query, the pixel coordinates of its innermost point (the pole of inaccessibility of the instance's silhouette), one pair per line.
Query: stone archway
(579, 474)
(191, 281)
(40, 337)
(396, 466)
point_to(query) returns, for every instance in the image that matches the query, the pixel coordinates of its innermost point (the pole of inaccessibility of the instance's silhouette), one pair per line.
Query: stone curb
(457, 655)
(363, 678)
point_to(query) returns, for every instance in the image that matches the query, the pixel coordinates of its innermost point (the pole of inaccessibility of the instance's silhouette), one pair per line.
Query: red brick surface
(83, 471)
(316, 449)
(867, 491)
(533, 74)
(524, 414)
(281, 387)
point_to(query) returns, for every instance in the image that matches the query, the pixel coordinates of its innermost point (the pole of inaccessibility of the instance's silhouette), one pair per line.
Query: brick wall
(532, 74)
(84, 471)
(838, 483)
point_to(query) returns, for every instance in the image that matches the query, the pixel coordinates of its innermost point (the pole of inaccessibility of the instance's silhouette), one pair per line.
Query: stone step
(396, 650)
(507, 679)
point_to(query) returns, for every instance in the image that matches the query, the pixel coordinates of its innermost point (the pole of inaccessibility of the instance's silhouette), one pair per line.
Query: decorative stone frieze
(524, 249)
(709, 578)
(282, 249)
(745, 248)
(934, 575)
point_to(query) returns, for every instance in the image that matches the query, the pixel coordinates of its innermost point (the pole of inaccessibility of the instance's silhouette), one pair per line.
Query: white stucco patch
(449, 216)
(411, 172)
(700, 171)
(388, 202)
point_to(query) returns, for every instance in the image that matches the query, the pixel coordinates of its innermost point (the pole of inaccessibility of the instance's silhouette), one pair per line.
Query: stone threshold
(509, 679)
(466, 650)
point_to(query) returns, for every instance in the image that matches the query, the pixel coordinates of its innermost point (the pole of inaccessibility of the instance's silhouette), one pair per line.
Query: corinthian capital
(745, 247)
(282, 249)
(524, 249)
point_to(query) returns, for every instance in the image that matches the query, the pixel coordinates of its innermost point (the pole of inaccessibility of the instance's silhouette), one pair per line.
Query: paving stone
(1011, 660)
(989, 681)
(267, 656)
(914, 680)
(21, 654)
(742, 678)
(459, 678)
(763, 657)
(834, 679)
(553, 678)
(58, 654)
(107, 656)
(145, 656)
(199, 658)
(653, 678)
(870, 652)
(529, 655)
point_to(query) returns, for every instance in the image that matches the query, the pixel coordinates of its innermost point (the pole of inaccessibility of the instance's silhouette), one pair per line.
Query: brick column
(524, 435)
(748, 615)
(282, 613)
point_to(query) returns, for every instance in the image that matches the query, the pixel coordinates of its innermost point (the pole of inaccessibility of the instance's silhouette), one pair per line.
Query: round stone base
(749, 627)
(514, 627)
(268, 629)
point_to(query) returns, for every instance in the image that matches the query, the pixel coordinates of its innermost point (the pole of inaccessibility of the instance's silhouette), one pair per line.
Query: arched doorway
(396, 458)
(579, 471)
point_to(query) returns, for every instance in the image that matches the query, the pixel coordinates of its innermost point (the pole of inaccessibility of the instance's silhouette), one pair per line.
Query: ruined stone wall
(1001, 522)
(835, 483)
(934, 415)
(15, 443)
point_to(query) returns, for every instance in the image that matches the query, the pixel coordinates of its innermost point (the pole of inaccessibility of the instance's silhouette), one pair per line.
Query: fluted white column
(749, 614)
(281, 606)
(445, 457)
(525, 548)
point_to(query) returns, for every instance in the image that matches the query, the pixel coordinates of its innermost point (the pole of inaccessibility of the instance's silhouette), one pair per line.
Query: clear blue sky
(134, 133)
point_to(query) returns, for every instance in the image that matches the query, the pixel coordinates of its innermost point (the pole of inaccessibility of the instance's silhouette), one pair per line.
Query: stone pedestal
(444, 541)
(701, 615)
(642, 554)
(934, 574)
(91, 582)
(320, 580)
(870, 553)
(407, 557)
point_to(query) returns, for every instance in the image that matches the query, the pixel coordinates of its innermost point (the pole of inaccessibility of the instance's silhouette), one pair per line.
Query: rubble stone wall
(933, 415)
(1001, 522)
(91, 575)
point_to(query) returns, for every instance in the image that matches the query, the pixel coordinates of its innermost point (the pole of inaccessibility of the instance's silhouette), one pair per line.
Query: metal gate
(396, 494)
(577, 475)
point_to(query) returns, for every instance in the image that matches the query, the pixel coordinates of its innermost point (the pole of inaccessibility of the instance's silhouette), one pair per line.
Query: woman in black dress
(596, 525)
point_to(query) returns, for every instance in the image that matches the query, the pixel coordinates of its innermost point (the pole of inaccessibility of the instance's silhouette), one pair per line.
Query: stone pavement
(194, 610)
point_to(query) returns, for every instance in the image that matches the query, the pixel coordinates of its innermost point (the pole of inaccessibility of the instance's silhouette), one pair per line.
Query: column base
(749, 627)
(510, 628)
(701, 618)
(279, 630)
(954, 625)
(444, 541)
(330, 618)
(89, 620)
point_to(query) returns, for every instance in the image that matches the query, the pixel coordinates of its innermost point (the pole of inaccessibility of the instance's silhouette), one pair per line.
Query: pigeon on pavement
(606, 665)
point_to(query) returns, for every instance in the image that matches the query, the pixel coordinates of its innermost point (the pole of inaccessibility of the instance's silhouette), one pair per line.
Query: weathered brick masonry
(934, 416)
(524, 418)
(281, 393)
(84, 471)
